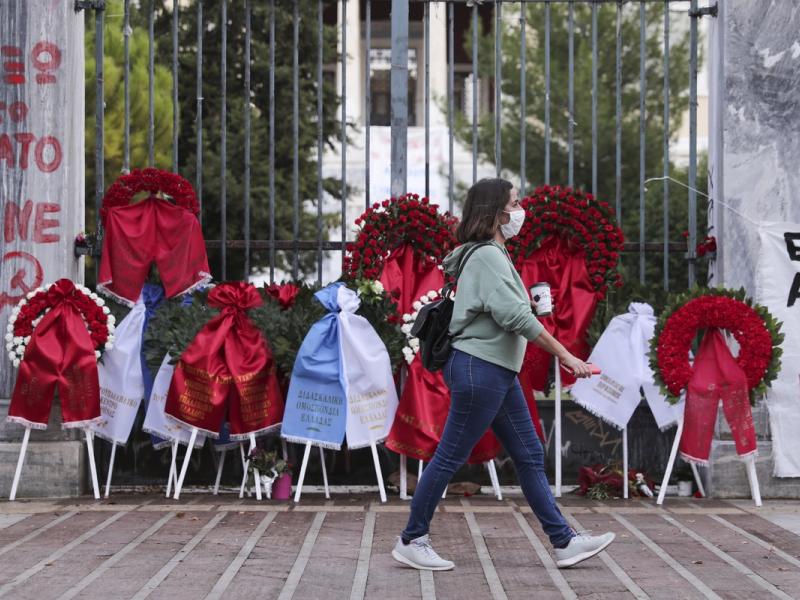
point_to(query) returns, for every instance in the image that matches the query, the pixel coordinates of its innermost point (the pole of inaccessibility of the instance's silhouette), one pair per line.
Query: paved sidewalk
(213, 547)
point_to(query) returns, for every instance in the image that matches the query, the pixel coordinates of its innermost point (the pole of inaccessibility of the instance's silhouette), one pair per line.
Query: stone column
(41, 203)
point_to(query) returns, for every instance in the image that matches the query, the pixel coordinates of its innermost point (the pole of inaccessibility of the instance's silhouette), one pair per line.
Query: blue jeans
(482, 395)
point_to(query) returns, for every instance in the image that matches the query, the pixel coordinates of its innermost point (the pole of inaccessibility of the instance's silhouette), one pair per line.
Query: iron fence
(498, 11)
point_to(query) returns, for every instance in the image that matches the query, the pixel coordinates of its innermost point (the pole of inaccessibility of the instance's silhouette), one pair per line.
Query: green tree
(606, 118)
(259, 125)
(114, 90)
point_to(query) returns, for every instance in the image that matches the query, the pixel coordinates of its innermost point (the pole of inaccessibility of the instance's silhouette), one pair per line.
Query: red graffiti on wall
(24, 280)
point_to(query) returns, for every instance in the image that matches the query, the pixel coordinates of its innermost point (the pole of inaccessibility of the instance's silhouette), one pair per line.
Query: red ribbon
(716, 376)
(575, 301)
(153, 230)
(425, 401)
(60, 355)
(228, 366)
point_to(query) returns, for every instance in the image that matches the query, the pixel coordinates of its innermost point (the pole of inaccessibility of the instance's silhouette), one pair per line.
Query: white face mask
(516, 219)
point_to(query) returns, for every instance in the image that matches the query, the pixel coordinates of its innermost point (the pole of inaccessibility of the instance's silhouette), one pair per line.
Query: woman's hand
(576, 366)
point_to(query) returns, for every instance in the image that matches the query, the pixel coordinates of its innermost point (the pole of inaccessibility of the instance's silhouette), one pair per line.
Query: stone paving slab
(204, 546)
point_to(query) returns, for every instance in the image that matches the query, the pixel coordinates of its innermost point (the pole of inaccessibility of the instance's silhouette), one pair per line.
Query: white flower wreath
(411, 350)
(16, 345)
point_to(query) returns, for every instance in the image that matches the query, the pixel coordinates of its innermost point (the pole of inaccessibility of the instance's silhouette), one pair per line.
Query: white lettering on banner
(778, 288)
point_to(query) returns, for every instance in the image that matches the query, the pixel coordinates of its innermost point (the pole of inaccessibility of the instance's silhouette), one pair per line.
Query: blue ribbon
(152, 296)
(316, 402)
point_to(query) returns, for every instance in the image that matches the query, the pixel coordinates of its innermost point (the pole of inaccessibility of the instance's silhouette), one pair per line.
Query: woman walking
(491, 325)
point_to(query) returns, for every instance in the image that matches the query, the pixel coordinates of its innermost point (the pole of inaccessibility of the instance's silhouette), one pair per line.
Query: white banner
(121, 381)
(41, 149)
(778, 288)
(622, 354)
(156, 421)
(371, 394)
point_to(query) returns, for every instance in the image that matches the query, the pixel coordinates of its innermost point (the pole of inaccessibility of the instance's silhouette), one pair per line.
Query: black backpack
(432, 325)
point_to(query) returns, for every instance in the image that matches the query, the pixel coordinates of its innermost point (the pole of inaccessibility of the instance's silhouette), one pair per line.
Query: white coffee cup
(542, 300)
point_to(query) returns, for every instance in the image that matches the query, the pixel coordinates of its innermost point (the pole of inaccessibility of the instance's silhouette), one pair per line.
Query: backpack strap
(461, 264)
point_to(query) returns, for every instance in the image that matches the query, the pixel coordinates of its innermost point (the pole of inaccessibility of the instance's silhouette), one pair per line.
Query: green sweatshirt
(492, 315)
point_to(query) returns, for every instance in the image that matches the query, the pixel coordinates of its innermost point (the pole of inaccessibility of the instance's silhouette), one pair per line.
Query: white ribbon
(121, 381)
(622, 354)
(371, 394)
(156, 420)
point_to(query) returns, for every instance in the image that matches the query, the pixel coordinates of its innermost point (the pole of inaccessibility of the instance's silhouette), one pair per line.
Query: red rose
(285, 294)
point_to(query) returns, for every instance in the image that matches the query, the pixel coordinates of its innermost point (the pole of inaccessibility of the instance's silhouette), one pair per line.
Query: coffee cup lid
(540, 283)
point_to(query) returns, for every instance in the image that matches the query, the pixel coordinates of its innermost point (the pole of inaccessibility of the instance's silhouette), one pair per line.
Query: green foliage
(286, 329)
(265, 462)
(633, 219)
(259, 123)
(173, 327)
(114, 90)
(378, 308)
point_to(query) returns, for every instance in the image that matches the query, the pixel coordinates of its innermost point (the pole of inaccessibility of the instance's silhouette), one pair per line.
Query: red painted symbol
(21, 280)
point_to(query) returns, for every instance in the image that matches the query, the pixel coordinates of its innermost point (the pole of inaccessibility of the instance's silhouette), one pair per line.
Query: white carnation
(106, 310)
(99, 301)
(93, 296)
(377, 287)
(407, 317)
(432, 294)
(414, 343)
(109, 345)
(408, 353)
(406, 328)
(97, 354)
(17, 340)
(111, 320)
(20, 350)
(16, 362)
(12, 355)
(9, 337)
(30, 295)
(10, 328)
(22, 303)
(27, 339)
(417, 305)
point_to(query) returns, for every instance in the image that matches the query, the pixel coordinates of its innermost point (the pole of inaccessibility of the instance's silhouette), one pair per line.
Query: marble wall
(754, 159)
(760, 120)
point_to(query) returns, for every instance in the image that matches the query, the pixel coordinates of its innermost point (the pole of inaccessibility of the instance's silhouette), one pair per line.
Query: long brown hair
(482, 209)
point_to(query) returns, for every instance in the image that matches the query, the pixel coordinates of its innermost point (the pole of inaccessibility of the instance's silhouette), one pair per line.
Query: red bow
(717, 376)
(59, 355)
(153, 230)
(227, 367)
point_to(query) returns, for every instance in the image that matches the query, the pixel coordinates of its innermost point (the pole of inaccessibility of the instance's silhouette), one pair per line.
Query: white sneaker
(581, 547)
(420, 554)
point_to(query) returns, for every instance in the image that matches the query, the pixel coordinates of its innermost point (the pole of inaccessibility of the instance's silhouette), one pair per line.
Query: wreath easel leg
(110, 468)
(92, 466)
(223, 454)
(490, 466)
(670, 463)
(22, 450)
(303, 467)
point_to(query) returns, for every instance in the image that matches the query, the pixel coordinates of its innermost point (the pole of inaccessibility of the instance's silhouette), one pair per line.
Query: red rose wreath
(402, 242)
(161, 229)
(571, 241)
(55, 336)
(715, 374)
